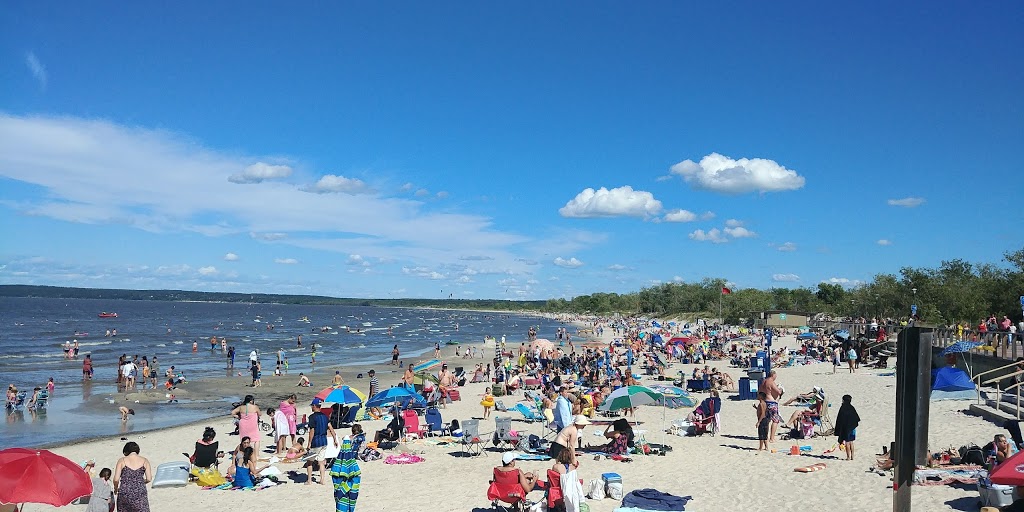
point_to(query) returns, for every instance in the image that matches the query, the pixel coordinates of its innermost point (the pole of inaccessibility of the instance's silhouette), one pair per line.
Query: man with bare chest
(773, 393)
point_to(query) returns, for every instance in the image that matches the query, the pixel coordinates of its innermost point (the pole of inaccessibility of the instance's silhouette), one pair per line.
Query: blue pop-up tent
(952, 383)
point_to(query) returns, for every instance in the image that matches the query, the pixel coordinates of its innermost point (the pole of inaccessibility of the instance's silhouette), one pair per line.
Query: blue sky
(504, 151)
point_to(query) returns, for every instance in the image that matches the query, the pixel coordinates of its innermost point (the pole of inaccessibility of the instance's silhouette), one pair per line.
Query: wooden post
(913, 383)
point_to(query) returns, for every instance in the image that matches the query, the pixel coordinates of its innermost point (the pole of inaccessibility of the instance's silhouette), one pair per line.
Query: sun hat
(580, 420)
(508, 457)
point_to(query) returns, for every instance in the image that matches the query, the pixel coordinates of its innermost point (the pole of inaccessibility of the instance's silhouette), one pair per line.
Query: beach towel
(653, 499)
(572, 491)
(405, 458)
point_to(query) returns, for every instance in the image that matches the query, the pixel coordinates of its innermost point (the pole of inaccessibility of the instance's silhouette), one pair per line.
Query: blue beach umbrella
(962, 346)
(842, 334)
(398, 394)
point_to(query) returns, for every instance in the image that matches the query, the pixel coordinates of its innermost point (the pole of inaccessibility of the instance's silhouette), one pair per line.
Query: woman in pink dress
(290, 412)
(249, 421)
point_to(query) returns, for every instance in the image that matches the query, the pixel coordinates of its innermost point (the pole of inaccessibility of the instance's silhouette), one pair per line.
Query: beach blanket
(405, 458)
(947, 475)
(653, 499)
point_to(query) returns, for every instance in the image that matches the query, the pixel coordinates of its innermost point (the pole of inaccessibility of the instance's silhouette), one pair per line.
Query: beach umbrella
(341, 395)
(1010, 472)
(961, 347)
(40, 476)
(842, 334)
(400, 395)
(542, 344)
(629, 397)
(675, 397)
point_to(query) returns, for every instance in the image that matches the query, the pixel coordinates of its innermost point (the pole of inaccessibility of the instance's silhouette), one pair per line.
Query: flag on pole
(726, 291)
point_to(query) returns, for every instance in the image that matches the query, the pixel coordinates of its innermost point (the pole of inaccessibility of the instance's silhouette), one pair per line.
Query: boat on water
(107, 315)
(450, 342)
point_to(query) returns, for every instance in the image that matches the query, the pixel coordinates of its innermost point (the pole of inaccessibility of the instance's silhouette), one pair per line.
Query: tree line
(956, 291)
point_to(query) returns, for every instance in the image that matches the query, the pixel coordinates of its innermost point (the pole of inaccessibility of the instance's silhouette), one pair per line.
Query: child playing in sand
(488, 403)
(296, 451)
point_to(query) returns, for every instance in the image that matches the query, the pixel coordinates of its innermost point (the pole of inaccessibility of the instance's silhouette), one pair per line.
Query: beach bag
(972, 454)
(572, 491)
(596, 489)
(369, 454)
(796, 433)
(534, 442)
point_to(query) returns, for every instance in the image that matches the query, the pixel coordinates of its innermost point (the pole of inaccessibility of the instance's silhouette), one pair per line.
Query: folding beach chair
(412, 424)
(503, 433)
(471, 441)
(529, 414)
(435, 424)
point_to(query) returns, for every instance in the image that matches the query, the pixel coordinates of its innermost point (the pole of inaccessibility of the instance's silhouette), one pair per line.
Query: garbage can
(756, 375)
(745, 388)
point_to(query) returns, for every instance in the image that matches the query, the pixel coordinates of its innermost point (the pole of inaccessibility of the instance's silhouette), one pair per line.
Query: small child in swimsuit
(488, 403)
(296, 451)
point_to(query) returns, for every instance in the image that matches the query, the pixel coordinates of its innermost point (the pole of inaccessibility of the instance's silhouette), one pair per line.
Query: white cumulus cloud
(286, 261)
(739, 232)
(37, 68)
(259, 171)
(907, 202)
(884, 242)
(707, 215)
(208, 271)
(787, 247)
(231, 257)
(333, 184)
(617, 202)
(680, 216)
(713, 235)
(785, 278)
(719, 173)
(838, 280)
(567, 263)
(733, 223)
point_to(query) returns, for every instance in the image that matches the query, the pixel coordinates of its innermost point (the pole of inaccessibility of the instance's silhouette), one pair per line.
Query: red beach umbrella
(40, 476)
(1010, 472)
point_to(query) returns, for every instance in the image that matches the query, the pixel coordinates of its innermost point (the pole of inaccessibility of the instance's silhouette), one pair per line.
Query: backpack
(534, 442)
(796, 433)
(972, 454)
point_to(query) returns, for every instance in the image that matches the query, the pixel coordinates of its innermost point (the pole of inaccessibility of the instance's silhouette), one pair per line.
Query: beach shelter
(952, 383)
(542, 344)
(657, 340)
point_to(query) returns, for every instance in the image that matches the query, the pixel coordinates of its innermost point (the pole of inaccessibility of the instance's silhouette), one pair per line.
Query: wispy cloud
(286, 261)
(231, 257)
(37, 69)
(907, 202)
(785, 278)
(884, 242)
(787, 247)
(186, 185)
(332, 184)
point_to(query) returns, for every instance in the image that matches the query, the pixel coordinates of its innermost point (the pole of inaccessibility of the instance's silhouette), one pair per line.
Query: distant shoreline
(60, 292)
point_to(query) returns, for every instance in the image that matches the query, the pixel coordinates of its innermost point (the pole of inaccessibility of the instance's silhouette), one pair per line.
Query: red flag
(726, 291)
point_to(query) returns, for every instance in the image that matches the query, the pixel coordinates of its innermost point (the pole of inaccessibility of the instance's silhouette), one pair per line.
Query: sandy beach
(721, 473)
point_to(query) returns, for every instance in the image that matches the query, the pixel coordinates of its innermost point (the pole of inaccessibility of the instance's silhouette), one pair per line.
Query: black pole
(913, 386)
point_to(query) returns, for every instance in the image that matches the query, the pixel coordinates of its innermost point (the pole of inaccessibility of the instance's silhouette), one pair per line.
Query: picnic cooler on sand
(995, 495)
(612, 485)
(453, 395)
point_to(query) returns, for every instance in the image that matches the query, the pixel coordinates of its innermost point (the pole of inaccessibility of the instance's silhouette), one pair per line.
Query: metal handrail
(978, 377)
(1017, 385)
(1006, 376)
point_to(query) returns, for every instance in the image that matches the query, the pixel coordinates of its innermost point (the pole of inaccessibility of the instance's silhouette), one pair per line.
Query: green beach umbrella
(630, 396)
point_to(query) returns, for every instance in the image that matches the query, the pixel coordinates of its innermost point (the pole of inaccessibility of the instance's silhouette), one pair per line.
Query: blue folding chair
(435, 424)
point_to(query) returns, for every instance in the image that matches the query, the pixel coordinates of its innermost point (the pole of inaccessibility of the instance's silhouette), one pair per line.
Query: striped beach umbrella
(341, 395)
(630, 396)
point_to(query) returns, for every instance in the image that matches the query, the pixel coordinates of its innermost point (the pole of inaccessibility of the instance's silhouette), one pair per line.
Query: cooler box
(612, 485)
(453, 395)
(995, 495)
(698, 385)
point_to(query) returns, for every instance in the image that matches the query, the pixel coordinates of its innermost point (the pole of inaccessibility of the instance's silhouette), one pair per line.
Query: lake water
(33, 331)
